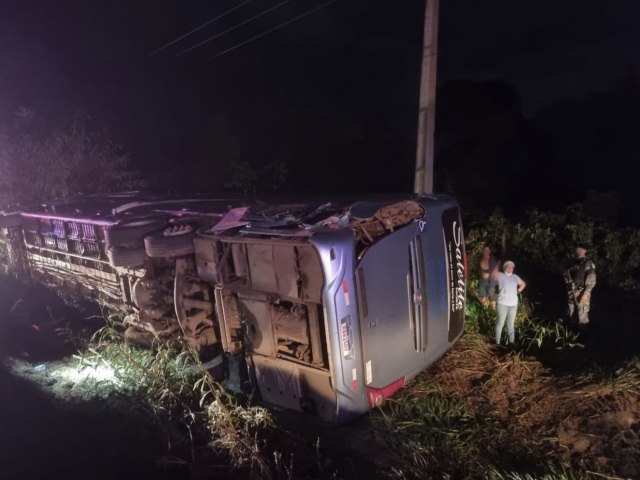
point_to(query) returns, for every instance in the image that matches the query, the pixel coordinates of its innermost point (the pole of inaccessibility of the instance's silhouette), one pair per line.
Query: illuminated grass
(174, 385)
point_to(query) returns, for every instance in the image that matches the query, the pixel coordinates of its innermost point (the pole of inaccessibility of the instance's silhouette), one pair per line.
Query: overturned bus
(327, 307)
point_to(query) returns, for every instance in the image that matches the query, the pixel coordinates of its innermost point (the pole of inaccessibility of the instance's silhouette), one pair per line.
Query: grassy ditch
(480, 412)
(212, 424)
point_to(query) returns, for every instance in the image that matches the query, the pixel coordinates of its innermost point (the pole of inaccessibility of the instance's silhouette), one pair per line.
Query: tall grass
(430, 434)
(627, 378)
(174, 385)
(533, 335)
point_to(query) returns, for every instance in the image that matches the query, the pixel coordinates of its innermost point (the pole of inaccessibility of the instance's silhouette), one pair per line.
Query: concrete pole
(427, 113)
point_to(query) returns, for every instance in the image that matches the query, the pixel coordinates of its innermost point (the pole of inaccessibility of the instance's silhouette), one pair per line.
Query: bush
(63, 163)
(548, 240)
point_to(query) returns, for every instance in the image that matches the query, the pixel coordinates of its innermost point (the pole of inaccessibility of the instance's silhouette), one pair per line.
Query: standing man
(580, 278)
(488, 265)
(509, 286)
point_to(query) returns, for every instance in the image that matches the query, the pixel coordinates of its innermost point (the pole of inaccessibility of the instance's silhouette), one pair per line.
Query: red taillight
(376, 396)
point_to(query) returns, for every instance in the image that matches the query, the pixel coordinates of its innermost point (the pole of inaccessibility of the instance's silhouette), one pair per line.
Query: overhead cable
(191, 32)
(264, 12)
(313, 10)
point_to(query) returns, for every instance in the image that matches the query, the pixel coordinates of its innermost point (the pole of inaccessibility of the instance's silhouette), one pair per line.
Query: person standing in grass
(488, 264)
(580, 278)
(509, 286)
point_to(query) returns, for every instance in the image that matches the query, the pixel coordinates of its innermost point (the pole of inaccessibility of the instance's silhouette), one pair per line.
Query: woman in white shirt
(509, 286)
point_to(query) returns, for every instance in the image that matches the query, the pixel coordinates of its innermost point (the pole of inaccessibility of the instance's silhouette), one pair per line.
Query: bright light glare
(68, 380)
(100, 373)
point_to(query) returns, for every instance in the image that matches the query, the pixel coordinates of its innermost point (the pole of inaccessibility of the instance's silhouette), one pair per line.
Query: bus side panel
(445, 296)
(456, 269)
(343, 329)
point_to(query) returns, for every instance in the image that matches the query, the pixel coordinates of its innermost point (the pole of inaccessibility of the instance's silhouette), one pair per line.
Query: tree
(62, 163)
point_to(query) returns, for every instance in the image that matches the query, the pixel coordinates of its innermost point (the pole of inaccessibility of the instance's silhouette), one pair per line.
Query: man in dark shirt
(580, 279)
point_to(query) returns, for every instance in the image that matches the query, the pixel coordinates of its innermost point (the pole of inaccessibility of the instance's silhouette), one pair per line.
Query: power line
(313, 10)
(234, 27)
(208, 22)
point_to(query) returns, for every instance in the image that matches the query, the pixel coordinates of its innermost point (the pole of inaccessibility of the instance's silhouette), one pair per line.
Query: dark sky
(550, 50)
(335, 91)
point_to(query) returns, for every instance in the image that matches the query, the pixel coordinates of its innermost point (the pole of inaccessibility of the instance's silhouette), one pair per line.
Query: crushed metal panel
(312, 277)
(239, 259)
(294, 386)
(291, 331)
(315, 336)
(257, 319)
(278, 382)
(229, 320)
(286, 269)
(261, 266)
(290, 323)
(206, 259)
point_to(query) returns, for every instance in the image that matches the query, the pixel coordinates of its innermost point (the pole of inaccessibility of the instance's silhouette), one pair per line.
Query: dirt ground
(585, 422)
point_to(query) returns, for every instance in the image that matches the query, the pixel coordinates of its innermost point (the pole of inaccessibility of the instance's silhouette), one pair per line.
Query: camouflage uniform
(580, 279)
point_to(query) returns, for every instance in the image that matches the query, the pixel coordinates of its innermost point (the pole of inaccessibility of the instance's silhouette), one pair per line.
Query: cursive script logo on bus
(459, 283)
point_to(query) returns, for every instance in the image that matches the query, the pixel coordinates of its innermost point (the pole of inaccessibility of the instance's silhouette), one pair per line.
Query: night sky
(334, 94)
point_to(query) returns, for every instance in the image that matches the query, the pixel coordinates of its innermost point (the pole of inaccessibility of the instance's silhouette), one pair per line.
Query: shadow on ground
(44, 437)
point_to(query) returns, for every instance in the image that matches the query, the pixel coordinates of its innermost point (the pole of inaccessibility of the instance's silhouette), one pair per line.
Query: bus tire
(158, 245)
(131, 233)
(125, 257)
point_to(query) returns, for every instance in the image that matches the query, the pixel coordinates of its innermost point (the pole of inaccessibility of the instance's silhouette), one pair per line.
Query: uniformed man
(580, 279)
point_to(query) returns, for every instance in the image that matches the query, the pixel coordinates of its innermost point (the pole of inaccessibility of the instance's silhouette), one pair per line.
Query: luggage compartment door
(391, 292)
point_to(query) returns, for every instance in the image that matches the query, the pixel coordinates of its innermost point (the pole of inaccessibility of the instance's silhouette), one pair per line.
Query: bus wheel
(130, 233)
(125, 257)
(173, 241)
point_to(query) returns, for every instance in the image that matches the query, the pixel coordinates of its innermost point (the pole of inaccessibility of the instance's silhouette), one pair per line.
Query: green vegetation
(173, 384)
(60, 163)
(547, 241)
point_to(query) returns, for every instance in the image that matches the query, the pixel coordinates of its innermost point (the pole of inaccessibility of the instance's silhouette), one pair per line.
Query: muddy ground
(578, 415)
(586, 422)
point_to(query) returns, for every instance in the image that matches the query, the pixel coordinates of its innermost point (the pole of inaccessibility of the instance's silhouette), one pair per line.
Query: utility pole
(427, 113)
